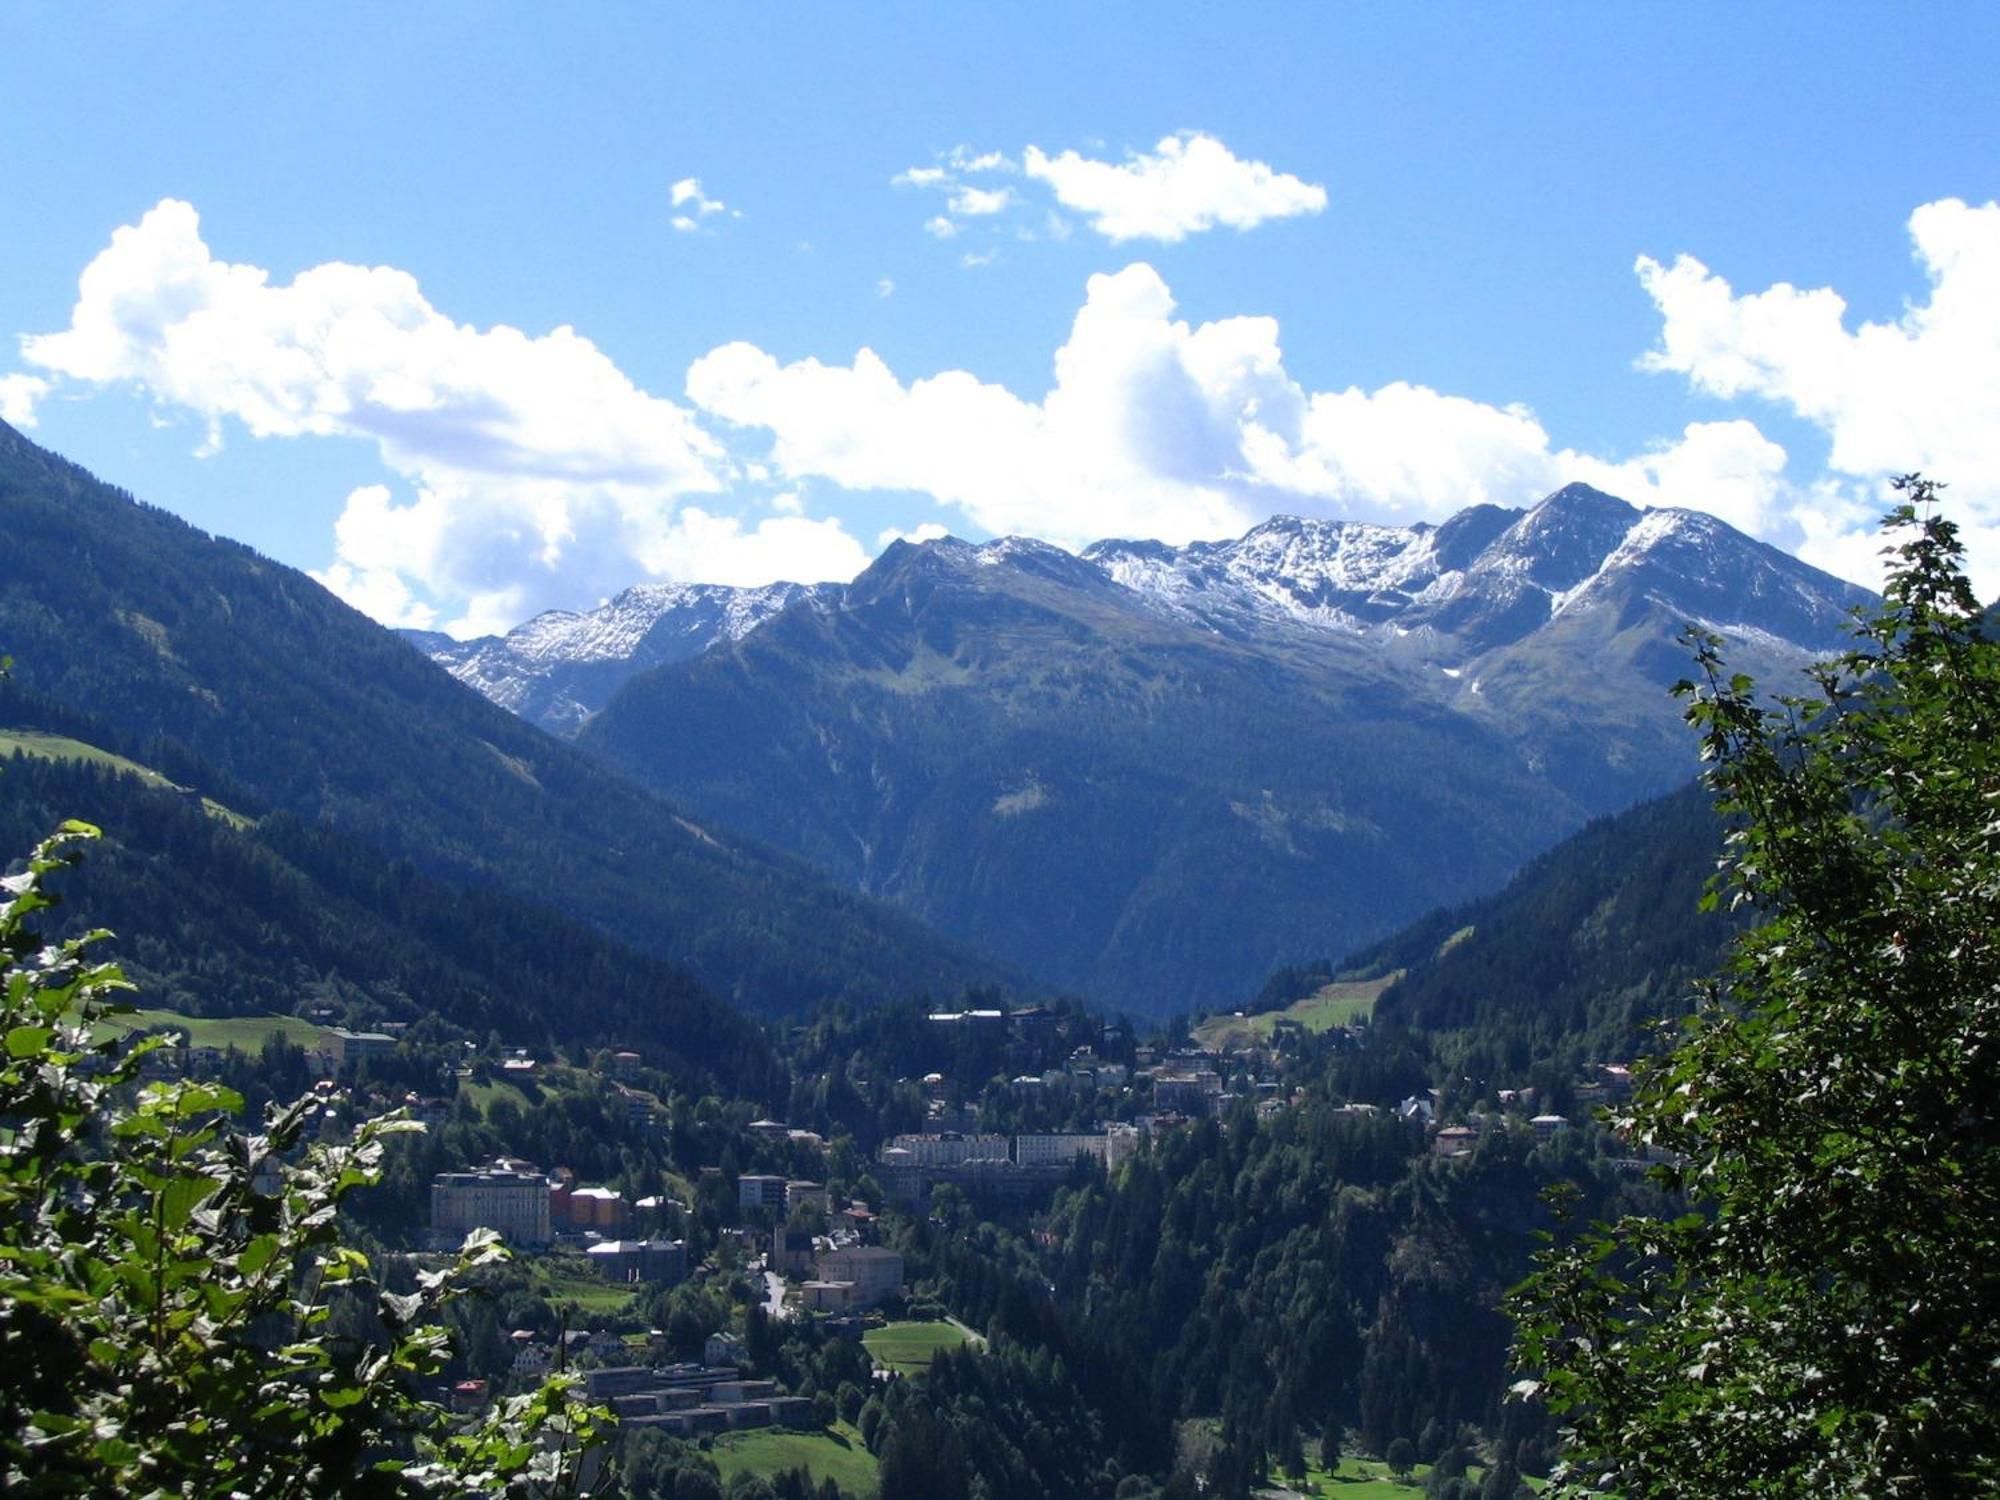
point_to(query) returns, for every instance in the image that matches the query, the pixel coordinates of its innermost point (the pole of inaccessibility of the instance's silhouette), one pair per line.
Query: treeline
(218, 920)
(1580, 954)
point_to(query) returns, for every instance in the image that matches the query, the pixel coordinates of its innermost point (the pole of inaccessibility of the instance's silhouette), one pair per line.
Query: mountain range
(1153, 773)
(243, 679)
(1149, 774)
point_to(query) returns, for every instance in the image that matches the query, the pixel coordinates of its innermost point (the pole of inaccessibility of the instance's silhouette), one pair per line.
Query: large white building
(512, 1202)
(950, 1149)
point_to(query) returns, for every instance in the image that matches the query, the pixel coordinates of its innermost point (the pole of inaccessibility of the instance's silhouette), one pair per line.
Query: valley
(1217, 1176)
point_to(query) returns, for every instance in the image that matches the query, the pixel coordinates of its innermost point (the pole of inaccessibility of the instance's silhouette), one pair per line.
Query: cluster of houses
(688, 1400)
(532, 1209)
(1603, 1083)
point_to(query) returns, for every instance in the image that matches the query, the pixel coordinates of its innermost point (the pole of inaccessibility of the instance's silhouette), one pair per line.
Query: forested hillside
(1579, 954)
(215, 919)
(219, 663)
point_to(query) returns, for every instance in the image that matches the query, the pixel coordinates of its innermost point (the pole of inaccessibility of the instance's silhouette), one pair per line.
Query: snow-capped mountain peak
(1485, 579)
(563, 665)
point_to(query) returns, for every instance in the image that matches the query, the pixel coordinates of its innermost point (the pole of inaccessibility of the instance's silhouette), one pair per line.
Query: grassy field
(1370, 1479)
(1341, 1003)
(59, 747)
(570, 1281)
(244, 1033)
(835, 1453)
(484, 1095)
(908, 1347)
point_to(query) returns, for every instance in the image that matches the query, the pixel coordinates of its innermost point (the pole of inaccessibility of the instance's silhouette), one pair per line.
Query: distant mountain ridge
(1442, 595)
(560, 667)
(1487, 577)
(1155, 774)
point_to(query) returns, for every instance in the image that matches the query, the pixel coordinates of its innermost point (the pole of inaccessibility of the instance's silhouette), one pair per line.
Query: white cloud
(929, 531)
(18, 395)
(885, 287)
(718, 549)
(1919, 393)
(964, 200)
(687, 194)
(539, 473)
(965, 159)
(696, 206)
(1154, 428)
(972, 202)
(1188, 183)
(973, 259)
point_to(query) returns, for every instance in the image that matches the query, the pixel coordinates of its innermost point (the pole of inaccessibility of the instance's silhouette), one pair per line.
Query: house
(654, 1262)
(341, 1047)
(756, 1190)
(827, 1296)
(811, 1195)
(875, 1273)
(601, 1208)
(1454, 1140)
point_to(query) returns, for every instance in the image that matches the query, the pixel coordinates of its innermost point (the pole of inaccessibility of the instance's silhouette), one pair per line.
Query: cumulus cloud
(977, 203)
(696, 206)
(720, 549)
(1919, 392)
(1186, 184)
(539, 472)
(1155, 428)
(18, 395)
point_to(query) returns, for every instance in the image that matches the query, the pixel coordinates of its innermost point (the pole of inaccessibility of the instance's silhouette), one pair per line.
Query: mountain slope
(559, 668)
(1158, 773)
(204, 652)
(1589, 944)
(1016, 748)
(215, 916)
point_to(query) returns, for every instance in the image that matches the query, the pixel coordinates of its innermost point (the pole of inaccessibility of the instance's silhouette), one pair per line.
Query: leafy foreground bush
(165, 1329)
(1828, 1321)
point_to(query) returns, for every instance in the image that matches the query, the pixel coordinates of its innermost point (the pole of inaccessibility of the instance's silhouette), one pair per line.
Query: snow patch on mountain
(563, 665)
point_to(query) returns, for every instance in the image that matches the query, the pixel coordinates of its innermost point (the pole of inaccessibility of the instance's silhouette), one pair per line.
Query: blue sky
(1119, 269)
